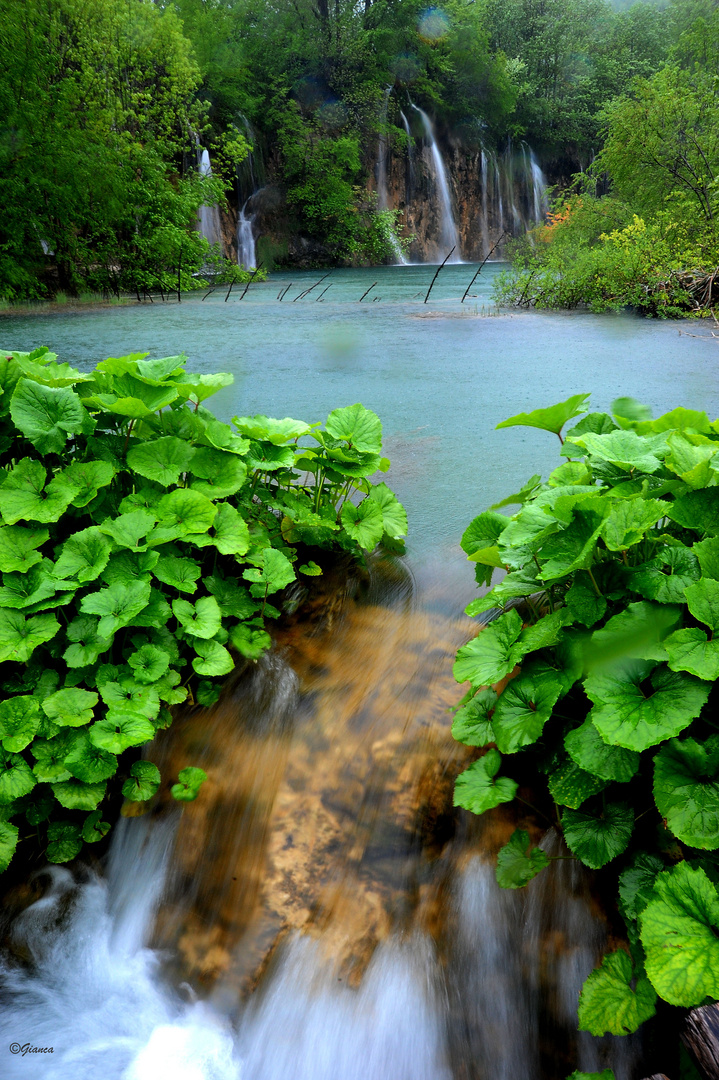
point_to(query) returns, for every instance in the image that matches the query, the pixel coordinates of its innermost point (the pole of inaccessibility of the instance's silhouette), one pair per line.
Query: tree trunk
(701, 1038)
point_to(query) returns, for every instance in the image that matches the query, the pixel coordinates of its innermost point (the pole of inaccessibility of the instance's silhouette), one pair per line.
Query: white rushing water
(208, 217)
(449, 236)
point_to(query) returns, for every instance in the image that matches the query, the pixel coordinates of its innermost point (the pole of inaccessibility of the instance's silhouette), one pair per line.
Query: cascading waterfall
(449, 235)
(208, 217)
(382, 196)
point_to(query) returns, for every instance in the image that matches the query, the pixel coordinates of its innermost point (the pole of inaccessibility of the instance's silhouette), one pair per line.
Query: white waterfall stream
(449, 235)
(208, 217)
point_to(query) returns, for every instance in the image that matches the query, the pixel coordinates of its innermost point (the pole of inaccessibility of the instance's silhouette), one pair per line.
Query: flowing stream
(321, 912)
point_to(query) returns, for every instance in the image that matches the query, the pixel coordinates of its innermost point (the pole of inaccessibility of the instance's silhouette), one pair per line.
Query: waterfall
(208, 217)
(449, 236)
(246, 239)
(382, 195)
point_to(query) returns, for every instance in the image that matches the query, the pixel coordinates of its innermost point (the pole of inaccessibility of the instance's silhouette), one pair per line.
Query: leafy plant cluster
(143, 545)
(605, 659)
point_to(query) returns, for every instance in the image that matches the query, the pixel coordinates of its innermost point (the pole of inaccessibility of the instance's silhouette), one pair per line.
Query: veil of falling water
(320, 912)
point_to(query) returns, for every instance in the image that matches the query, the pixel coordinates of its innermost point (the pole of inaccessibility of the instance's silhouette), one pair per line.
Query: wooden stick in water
(479, 268)
(436, 275)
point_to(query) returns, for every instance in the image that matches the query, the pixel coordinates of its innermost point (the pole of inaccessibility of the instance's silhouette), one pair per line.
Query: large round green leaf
(479, 789)
(680, 934)
(46, 415)
(162, 460)
(599, 837)
(638, 704)
(616, 998)
(686, 790)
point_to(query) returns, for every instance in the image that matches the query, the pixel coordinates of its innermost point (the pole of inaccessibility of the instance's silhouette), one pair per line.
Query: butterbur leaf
(190, 780)
(19, 637)
(18, 547)
(94, 827)
(213, 659)
(88, 762)
(479, 789)
(162, 460)
(64, 841)
(686, 790)
(489, 657)
(587, 749)
(71, 707)
(149, 663)
(46, 415)
(597, 838)
(616, 998)
(16, 777)
(570, 785)
(394, 515)
(116, 605)
(180, 574)
(8, 843)
(274, 574)
(202, 619)
(637, 882)
(680, 934)
(518, 862)
(552, 418)
(638, 704)
(143, 782)
(84, 556)
(19, 722)
(523, 708)
(120, 730)
(472, 723)
(76, 795)
(358, 426)
(363, 523)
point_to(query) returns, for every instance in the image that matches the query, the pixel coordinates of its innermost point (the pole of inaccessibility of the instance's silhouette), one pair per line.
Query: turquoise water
(441, 375)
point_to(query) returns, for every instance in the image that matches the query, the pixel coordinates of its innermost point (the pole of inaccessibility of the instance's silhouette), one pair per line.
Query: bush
(143, 545)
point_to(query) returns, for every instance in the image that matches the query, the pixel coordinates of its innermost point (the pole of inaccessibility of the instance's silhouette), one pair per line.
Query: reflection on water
(320, 912)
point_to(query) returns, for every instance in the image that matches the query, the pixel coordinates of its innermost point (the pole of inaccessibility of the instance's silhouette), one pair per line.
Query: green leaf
(473, 723)
(19, 722)
(213, 659)
(598, 838)
(131, 530)
(490, 656)
(64, 841)
(478, 788)
(278, 432)
(18, 547)
(84, 556)
(666, 576)
(190, 782)
(616, 998)
(87, 645)
(94, 827)
(523, 708)
(202, 620)
(551, 419)
(394, 515)
(149, 663)
(229, 534)
(116, 605)
(637, 704)
(358, 426)
(8, 843)
(276, 571)
(71, 707)
(77, 795)
(19, 636)
(628, 521)
(24, 496)
(680, 933)
(143, 782)
(181, 574)
(88, 762)
(220, 474)
(686, 790)
(120, 730)
(183, 513)
(588, 750)
(16, 777)
(363, 523)
(518, 862)
(163, 460)
(46, 415)
(637, 882)
(570, 785)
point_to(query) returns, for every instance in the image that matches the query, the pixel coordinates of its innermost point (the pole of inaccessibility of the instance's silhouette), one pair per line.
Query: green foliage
(130, 518)
(603, 643)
